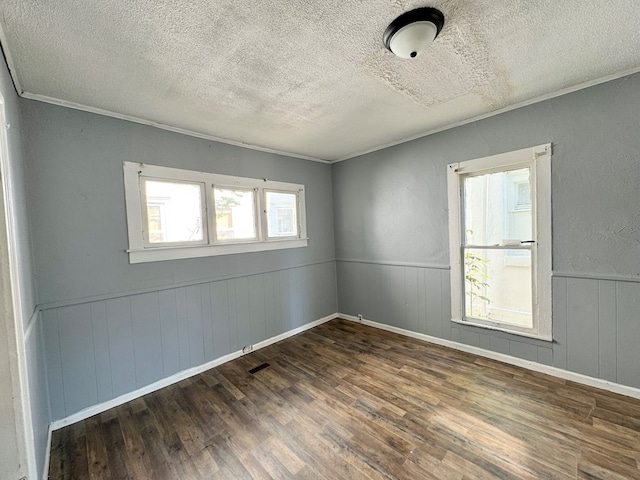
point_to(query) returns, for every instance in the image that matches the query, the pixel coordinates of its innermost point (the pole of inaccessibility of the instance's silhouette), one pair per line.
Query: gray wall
(111, 327)
(35, 365)
(391, 229)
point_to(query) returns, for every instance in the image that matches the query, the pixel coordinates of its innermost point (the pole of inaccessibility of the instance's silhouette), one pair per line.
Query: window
(500, 241)
(174, 213)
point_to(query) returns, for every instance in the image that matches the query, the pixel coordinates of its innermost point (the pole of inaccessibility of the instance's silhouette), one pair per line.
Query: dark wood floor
(348, 401)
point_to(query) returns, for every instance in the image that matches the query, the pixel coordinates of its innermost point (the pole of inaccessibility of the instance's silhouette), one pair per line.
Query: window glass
(174, 211)
(235, 213)
(282, 214)
(495, 289)
(497, 208)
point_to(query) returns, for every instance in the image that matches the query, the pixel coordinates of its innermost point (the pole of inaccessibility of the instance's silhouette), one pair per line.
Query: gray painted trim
(396, 264)
(138, 291)
(598, 276)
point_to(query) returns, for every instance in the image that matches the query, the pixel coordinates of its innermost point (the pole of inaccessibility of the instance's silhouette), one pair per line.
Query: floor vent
(258, 368)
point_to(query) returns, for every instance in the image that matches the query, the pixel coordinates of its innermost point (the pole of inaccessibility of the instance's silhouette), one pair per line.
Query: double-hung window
(174, 213)
(500, 241)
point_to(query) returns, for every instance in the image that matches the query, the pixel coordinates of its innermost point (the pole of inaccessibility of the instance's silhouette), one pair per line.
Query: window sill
(497, 328)
(158, 254)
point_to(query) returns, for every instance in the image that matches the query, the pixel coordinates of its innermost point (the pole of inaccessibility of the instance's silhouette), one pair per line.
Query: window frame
(539, 160)
(140, 250)
(265, 225)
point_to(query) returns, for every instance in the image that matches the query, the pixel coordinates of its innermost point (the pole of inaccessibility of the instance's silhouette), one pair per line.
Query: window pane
(497, 286)
(282, 218)
(497, 208)
(235, 214)
(174, 211)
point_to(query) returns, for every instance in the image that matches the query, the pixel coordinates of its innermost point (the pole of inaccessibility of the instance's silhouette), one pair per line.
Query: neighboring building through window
(500, 241)
(174, 213)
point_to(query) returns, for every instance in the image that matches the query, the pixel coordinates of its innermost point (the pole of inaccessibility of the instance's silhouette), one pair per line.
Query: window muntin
(174, 212)
(500, 241)
(282, 214)
(237, 224)
(235, 214)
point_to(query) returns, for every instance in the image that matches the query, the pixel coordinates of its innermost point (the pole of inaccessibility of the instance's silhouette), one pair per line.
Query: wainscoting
(596, 322)
(100, 350)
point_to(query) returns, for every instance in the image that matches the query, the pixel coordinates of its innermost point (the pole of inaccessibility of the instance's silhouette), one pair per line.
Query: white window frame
(266, 216)
(539, 160)
(141, 251)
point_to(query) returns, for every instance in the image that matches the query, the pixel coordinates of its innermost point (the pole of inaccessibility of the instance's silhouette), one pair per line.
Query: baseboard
(501, 357)
(47, 454)
(165, 382)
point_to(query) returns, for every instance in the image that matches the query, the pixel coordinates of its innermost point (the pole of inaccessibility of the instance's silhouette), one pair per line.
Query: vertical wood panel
(526, 351)
(304, 296)
(608, 330)
(411, 298)
(285, 310)
(455, 334)
(123, 376)
(445, 301)
(182, 316)
(220, 318)
(375, 310)
(469, 337)
(582, 326)
(559, 310)
(628, 295)
(485, 341)
(78, 360)
(256, 309)
(545, 356)
(234, 343)
(195, 325)
(499, 345)
(169, 332)
(207, 322)
(101, 350)
(53, 363)
(397, 290)
(147, 338)
(434, 303)
(422, 300)
(270, 305)
(243, 318)
(278, 304)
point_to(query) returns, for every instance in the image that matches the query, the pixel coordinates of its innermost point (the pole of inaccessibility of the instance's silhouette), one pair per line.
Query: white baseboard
(165, 382)
(501, 357)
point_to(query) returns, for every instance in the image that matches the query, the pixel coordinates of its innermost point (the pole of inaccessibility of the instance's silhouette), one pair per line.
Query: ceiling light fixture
(412, 32)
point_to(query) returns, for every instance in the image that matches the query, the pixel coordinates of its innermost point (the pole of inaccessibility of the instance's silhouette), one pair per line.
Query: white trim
(190, 372)
(477, 118)
(433, 266)
(22, 399)
(175, 253)
(141, 251)
(538, 159)
(501, 357)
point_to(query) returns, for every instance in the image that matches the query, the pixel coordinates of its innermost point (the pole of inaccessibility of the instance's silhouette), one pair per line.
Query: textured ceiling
(309, 78)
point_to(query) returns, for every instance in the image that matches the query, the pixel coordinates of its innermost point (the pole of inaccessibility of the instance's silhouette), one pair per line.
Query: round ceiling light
(412, 32)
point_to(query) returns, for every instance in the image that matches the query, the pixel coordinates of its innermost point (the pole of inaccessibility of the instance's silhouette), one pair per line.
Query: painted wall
(13, 463)
(111, 327)
(391, 229)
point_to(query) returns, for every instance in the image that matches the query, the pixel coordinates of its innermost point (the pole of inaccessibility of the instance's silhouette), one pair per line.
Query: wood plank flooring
(348, 401)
